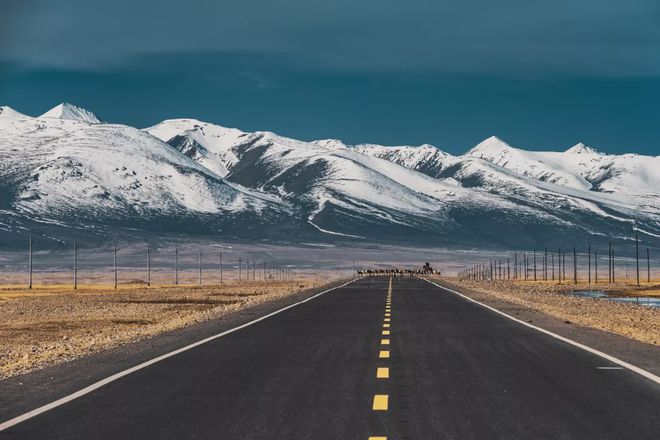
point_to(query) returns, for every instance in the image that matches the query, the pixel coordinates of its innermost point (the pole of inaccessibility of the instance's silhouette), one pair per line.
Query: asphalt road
(455, 370)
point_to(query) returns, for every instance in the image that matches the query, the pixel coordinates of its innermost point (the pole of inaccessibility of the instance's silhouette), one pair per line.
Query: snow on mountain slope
(546, 167)
(58, 167)
(547, 181)
(325, 176)
(193, 175)
(211, 145)
(8, 112)
(579, 167)
(426, 158)
(419, 187)
(71, 112)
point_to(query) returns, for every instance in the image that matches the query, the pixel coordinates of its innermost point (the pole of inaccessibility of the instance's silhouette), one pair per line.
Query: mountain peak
(71, 112)
(489, 145)
(581, 148)
(8, 112)
(331, 144)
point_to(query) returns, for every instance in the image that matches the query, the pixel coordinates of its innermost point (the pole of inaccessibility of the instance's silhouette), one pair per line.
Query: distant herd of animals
(425, 270)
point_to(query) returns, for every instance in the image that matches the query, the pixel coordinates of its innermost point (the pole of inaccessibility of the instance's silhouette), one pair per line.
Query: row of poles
(525, 268)
(248, 270)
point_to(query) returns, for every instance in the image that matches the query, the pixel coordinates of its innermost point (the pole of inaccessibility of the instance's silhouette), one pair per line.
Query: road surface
(355, 364)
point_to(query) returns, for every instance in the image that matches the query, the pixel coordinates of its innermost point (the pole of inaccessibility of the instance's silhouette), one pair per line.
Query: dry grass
(630, 320)
(51, 325)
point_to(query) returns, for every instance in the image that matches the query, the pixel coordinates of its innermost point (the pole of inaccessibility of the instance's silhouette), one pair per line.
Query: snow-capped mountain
(580, 167)
(8, 112)
(211, 145)
(72, 113)
(98, 174)
(345, 185)
(65, 168)
(426, 158)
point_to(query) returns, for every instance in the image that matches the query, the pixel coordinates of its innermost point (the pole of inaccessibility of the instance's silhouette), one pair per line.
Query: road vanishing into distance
(378, 358)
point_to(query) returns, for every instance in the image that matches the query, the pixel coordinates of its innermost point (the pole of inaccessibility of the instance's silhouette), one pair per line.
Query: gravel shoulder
(628, 332)
(45, 327)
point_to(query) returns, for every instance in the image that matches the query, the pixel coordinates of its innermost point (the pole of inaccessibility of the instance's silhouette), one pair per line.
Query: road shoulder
(643, 355)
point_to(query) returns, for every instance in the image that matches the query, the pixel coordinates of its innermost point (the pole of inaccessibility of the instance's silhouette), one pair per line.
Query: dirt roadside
(52, 326)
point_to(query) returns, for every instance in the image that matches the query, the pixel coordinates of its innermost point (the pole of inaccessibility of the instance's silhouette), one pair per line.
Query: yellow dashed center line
(381, 402)
(383, 373)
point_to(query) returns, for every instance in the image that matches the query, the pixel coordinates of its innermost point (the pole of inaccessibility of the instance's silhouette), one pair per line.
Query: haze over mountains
(65, 173)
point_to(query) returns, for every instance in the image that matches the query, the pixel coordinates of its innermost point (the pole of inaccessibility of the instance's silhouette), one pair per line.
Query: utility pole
(75, 265)
(115, 264)
(596, 267)
(534, 264)
(552, 257)
(609, 263)
(574, 266)
(515, 265)
(200, 268)
(589, 252)
(637, 256)
(148, 265)
(176, 265)
(239, 268)
(559, 265)
(30, 266)
(613, 274)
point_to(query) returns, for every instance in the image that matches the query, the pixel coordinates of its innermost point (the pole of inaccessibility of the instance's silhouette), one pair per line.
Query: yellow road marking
(384, 342)
(388, 314)
(386, 332)
(387, 319)
(386, 325)
(381, 402)
(383, 373)
(384, 354)
(377, 438)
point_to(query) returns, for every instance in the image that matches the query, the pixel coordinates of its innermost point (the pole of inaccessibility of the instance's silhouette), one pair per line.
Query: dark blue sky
(541, 75)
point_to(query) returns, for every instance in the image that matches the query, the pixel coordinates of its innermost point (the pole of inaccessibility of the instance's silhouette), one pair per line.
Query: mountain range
(65, 174)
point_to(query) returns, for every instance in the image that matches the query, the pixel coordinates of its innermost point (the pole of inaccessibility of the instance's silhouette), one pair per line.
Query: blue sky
(541, 75)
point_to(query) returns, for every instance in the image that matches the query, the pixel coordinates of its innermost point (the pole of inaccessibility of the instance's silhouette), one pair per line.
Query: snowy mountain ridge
(184, 174)
(71, 112)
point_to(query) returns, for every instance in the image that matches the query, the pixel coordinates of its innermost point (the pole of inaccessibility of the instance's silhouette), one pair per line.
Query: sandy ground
(52, 325)
(633, 321)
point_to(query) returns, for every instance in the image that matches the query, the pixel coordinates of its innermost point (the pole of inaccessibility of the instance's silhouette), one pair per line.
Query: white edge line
(95, 386)
(631, 367)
